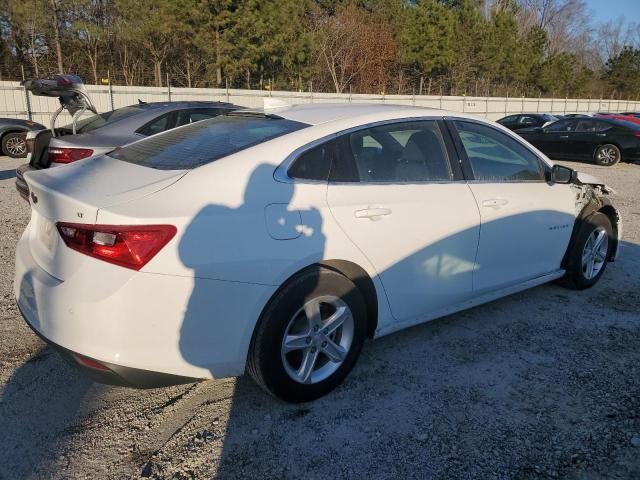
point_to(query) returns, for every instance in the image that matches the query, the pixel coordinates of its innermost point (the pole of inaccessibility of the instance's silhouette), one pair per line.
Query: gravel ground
(542, 384)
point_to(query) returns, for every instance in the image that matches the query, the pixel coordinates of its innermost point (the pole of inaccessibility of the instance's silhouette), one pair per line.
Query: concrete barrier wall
(13, 101)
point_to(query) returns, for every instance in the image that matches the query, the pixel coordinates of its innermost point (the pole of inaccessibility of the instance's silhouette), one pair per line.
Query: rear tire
(607, 155)
(589, 253)
(290, 351)
(14, 145)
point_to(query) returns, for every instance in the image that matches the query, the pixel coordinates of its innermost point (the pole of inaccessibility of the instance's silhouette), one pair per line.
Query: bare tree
(565, 21)
(354, 46)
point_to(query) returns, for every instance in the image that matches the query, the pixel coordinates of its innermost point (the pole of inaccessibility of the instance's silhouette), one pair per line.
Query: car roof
(182, 104)
(317, 114)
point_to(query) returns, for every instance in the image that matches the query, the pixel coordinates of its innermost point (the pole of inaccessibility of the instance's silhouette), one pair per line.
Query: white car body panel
(241, 233)
(539, 218)
(424, 245)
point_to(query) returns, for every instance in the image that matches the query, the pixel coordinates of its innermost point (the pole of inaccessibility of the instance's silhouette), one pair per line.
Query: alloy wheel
(594, 253)
(607, 155)
(16, 146)
(317, 339)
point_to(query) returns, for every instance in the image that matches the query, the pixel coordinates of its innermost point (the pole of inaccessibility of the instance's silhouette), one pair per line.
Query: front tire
(607, 155)
(309, 337)
(590, 253)
(14, 145)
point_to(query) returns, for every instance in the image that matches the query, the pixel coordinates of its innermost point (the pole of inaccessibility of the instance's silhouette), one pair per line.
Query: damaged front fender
(591, 197)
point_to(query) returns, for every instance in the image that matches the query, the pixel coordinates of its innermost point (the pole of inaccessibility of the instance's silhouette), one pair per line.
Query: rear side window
(314, 164)
(205, 141)
(494, 156)
(195, 115)
(156, 126)
(400, 152)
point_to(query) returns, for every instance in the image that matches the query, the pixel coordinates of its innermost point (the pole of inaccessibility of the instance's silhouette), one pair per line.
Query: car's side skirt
(487, 297)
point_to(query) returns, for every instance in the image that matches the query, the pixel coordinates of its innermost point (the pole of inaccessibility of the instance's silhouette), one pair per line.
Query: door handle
(601, 134)
(494, 202)
(564, 136)
(373, 213)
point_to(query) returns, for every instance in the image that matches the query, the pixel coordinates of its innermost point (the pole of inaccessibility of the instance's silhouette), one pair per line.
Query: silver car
(103, 132)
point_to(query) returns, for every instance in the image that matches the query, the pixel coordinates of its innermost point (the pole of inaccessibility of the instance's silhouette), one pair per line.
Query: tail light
(90, 363)
(126, 246)
(637, 134)
(68, 155)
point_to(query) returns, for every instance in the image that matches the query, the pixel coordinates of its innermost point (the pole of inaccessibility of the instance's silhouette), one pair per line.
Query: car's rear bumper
(110, 373)
(146, 329)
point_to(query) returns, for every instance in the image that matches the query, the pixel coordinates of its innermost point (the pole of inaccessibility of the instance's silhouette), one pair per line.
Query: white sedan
(277, 240)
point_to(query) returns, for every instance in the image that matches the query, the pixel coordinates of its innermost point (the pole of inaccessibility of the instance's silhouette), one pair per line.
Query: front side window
(495, 156)
(587, 126)
(205, 141)
(562, 126)
(400, 152)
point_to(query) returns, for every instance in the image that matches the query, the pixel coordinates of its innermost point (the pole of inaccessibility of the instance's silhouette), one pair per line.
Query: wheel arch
(614, 218)
(12, 129)
(353, 272)
(363, 283)
(596, 204)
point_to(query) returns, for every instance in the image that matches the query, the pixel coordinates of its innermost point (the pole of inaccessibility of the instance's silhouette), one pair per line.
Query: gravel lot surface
(542, 384)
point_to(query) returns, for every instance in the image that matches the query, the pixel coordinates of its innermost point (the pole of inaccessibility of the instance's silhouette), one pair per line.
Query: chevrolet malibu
(277, 241)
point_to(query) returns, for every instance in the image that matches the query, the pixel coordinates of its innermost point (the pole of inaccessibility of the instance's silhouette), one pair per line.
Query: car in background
(601, 139)
(621, 116)
(13, 132)
(276, 241)
(526, 120)
(103, 132)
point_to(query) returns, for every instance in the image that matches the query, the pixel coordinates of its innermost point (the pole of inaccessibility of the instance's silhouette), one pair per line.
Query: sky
(604, 10)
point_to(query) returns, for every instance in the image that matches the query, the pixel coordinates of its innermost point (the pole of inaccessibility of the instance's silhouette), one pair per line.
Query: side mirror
(538, 130)
(561, 174)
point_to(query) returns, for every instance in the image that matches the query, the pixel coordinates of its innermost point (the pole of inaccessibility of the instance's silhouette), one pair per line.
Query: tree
(153, 30)
(354, 48)
(623, 72)
(92, 27)
(426, 37)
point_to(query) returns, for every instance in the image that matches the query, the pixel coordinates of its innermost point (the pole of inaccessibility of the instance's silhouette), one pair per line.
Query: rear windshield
(101, 119)
(205, 141)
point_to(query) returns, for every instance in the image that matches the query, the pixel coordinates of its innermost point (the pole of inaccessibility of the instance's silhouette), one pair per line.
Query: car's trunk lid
(74, 194)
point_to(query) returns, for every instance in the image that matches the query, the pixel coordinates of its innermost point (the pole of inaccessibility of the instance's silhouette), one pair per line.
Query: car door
(400, 198)
(584, 139)
(554, 139)
(526, 222)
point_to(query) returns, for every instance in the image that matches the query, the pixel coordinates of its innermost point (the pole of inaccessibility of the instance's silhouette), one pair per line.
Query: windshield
(101, 119)
(205, 141)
